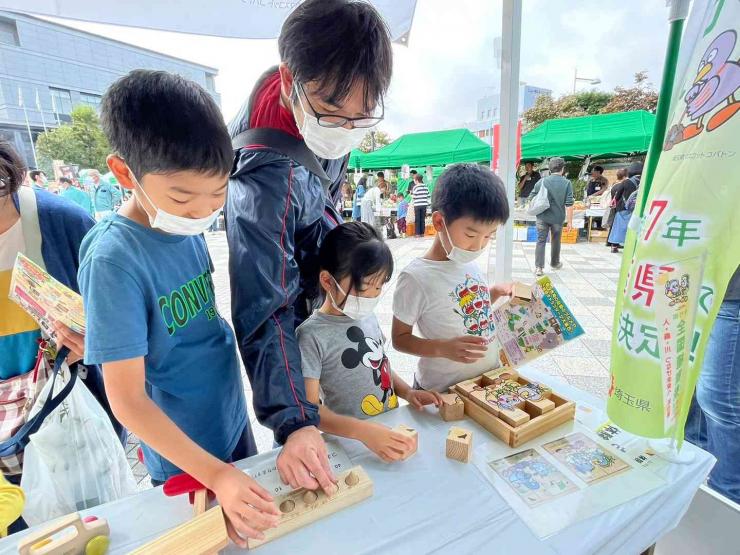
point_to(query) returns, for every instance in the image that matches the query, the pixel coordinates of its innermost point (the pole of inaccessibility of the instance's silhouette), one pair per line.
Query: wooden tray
(538, 424)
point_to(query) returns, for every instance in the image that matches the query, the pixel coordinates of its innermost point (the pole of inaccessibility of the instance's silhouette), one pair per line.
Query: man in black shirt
(598, 184)
(527, 182)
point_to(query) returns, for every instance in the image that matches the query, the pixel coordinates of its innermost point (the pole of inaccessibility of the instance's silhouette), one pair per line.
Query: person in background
(106, 196)
(81, 198)
(620, 194)
(608, 217)
(357, 203)
(381, 179)
(598, 184)
(527, 182)
(420, 200)
(401, 212)
(372, 205)
(714, 417)
(38, 180)
(560, 195)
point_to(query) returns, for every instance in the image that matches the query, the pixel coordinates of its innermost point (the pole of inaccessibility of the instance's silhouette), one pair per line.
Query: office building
(46, 69)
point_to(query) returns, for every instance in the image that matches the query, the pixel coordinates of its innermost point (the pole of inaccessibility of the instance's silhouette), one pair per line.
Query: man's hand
(304, 462)
(75, 342)
(467, 349)
(248, 507)
(417, 398)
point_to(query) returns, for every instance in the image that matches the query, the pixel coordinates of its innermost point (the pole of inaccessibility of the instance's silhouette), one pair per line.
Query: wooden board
(302, 507)
(204, 534)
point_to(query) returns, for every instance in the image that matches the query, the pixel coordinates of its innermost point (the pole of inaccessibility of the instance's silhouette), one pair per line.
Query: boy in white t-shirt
(445, 293)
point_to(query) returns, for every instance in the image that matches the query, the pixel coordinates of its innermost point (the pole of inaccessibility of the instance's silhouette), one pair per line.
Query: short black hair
(470, 190)
(11, 169)
(635, 168)
(380, 174)
(413, 172)
(355, 249)
(159, 122)
(34, 174)
(337, 44)
(65, 180)
(599, 169)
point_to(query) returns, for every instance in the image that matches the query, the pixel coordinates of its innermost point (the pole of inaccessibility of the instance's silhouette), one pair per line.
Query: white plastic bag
(75, 461)
(540, 202)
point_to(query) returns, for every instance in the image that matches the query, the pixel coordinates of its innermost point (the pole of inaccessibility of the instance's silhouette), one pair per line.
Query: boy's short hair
(380, 174)
(159, 122)
(66, 180)
(599, 169)
(470, 190)
(33, 174)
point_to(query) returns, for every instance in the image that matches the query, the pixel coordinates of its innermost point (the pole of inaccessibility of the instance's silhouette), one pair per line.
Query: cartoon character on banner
(715, 86)
(370, 353)
(677, 290)
(473, 304)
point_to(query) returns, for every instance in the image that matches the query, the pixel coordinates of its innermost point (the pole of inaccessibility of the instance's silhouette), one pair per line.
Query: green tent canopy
(434, 148)
(600, 136)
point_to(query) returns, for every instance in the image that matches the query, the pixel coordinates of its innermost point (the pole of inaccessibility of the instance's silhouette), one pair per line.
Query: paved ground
(587, 282)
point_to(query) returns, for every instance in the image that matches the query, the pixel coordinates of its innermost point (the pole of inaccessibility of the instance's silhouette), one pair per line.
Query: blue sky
(450, 62)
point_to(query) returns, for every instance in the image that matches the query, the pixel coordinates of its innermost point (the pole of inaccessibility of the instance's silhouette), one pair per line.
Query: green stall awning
(601, 136)
(435, 148)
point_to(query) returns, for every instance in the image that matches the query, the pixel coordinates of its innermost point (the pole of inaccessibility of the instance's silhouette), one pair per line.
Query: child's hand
(467, 349)
(502, 290)
(419, 397)
(66, 337)
(388, 445)
(249, 509)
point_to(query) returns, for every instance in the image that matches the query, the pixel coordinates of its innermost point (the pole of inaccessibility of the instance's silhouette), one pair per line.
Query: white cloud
(450, 62)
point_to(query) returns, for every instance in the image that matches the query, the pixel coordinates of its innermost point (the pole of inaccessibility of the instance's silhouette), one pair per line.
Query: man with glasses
(292, 137)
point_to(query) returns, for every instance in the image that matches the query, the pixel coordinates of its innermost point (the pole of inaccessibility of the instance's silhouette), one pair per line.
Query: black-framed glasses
(333, 120)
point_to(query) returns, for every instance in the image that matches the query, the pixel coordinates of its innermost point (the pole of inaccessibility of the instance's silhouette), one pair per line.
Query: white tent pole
(511, 34)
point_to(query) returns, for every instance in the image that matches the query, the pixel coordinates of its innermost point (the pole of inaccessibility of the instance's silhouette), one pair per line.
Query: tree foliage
(80, 142)
(381, 139)
(641, 96)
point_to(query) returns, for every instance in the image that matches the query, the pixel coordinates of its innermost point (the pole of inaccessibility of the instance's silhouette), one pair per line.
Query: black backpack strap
(285, 143)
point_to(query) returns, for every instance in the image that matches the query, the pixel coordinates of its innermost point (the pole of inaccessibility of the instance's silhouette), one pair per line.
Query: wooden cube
(452, 407)
(412, 433)
(459, 444)
(521, 291)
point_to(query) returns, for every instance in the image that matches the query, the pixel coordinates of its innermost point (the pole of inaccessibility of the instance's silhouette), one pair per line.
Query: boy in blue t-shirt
(169, 360)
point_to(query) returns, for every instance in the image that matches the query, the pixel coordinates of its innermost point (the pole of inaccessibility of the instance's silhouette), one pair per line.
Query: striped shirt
(421, 195)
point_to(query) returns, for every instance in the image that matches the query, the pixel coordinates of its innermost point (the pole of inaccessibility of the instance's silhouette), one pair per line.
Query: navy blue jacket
(277, 214)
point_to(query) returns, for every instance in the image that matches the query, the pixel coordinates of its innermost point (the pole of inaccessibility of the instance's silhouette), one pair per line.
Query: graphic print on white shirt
(473, 305)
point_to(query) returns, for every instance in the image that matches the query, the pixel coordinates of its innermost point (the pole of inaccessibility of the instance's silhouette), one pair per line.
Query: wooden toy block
(502, 373)
(412, 433)
(545, 409)
(459, 444)
(204, 534)
(512, 414)
(452, 407)
(521, 291)
(302, 507)
(91, 533)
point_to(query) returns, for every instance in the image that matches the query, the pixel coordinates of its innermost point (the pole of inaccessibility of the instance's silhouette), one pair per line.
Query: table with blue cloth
(432, 504)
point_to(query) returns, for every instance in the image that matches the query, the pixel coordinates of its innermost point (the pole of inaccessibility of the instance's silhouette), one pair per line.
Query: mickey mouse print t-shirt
(444, 300)
(348, 358)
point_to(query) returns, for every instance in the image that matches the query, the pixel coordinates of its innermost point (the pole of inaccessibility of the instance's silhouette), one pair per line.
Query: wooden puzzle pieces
(513, 399)
(459, 445)
(410, 432)
(302, 507)
(452, 407)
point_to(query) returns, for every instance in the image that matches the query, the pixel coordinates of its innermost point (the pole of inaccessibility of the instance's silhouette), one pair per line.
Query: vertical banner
(679, 257)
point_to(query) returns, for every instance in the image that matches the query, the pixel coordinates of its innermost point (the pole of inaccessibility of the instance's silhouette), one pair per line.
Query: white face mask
(170, 223)
(329, 143)
(355, 307)
(456, 254)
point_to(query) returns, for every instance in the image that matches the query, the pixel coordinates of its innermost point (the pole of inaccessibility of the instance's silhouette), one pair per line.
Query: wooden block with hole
(521, 291)
(452, 407)
(302, 507)
(459, 444)
(204, 534)
(412, 433)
